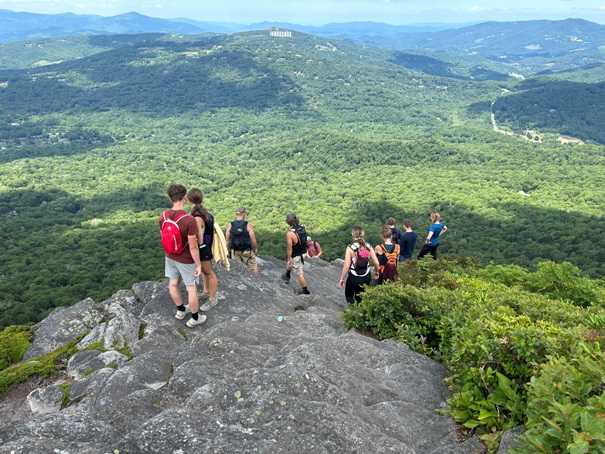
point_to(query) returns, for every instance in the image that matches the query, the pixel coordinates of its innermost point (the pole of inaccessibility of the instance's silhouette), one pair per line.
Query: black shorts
(205, 253)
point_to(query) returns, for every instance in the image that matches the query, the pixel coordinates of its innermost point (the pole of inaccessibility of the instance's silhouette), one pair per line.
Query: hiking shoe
(302, 291)
(285, 278)
(209, 305)
(180, 315)
(193, 322)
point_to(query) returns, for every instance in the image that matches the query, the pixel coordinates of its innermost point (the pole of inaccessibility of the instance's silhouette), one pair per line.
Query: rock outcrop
(269, 372)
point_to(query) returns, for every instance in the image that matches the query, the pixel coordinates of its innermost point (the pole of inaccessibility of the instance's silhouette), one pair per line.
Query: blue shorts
(183, 271)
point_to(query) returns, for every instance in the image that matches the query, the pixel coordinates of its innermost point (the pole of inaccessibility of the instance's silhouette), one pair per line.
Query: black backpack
(239, 237)
(396, 238)
(362, 260)
(299, 248)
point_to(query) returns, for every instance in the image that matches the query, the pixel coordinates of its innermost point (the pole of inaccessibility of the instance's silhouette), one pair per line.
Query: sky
(320, 12)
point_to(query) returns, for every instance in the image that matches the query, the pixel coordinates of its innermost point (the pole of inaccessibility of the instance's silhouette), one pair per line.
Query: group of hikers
(187, 238)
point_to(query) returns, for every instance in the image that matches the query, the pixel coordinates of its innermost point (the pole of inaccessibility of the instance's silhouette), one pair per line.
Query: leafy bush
(564, 281)
(509, 275)
(396, 312)
(566, 404)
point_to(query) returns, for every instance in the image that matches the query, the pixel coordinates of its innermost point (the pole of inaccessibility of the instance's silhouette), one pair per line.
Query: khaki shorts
(246, 257)
(297, 265)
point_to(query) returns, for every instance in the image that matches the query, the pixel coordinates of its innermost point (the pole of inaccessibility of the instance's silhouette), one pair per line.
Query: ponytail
(358, 236)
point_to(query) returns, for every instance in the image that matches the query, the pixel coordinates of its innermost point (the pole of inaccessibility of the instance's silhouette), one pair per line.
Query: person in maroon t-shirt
(186, 265)
(313, 248)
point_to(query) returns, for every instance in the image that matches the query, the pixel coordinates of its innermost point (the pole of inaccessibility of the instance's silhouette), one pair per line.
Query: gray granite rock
(88, 361)
(63, 325)
(90, 385)
(46, 400)
(268, 372)
(509, 439)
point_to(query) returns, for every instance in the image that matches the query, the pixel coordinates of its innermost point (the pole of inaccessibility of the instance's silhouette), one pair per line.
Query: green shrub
(509, 275)
(402, 312)
(565, 281)
(503, 408)
(14, 340)
(435, 273)
(566, 404)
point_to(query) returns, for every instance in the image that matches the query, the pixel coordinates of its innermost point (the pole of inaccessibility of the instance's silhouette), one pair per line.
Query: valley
(340, 133)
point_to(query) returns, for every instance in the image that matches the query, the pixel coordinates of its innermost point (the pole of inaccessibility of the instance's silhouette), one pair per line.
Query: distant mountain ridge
(526, 48)
(18, 26)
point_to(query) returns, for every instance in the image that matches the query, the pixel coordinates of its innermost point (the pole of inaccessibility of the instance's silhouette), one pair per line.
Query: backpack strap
(177, 218)
(355, 250)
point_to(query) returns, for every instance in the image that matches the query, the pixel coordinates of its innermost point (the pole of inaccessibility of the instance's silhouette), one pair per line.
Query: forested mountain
(339, 133)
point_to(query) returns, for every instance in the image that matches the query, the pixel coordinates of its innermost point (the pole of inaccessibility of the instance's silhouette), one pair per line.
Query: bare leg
(205, 283)
(175, 292)
(210, 278)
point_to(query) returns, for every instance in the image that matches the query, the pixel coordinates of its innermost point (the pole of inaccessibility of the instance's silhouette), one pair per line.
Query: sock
(181, 308)
(194, 316)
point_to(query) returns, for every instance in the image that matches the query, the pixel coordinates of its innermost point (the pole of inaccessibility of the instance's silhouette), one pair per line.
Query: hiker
(242, 241)
(436, 229)
(205, 235)
(357, 267)
(182, 260)
(296, 239)
(388, 254)
(396, 232)
(313, 248)
(408, 241)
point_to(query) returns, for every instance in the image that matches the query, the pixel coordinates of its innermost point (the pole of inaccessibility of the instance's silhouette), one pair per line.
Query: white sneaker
(209, 305)
(180, 315)
(192, 322)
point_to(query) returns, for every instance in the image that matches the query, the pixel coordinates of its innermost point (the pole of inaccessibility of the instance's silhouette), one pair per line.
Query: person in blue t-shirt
(408, 241)
(436, 229)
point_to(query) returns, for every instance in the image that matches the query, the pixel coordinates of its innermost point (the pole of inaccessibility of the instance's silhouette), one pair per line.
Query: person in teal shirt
(432, 241)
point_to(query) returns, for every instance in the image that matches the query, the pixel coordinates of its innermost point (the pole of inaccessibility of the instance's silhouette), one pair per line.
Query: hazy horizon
(322, 12)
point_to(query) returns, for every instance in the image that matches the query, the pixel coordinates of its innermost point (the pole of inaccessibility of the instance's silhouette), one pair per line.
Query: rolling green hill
(339, 133)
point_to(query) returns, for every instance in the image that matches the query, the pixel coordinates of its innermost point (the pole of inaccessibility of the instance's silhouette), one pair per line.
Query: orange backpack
(389, 269)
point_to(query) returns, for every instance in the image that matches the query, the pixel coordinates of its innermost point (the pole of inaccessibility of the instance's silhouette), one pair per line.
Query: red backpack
(172, 241)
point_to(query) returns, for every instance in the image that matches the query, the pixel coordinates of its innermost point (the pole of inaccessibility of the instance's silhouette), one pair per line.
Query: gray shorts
(178, 270)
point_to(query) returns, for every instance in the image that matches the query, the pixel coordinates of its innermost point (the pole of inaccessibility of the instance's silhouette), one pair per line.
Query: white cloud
(476, 9)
